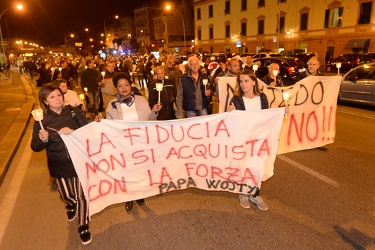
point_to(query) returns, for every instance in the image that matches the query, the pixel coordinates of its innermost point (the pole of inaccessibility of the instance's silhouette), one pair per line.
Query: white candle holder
(205, 82)
(159, 88)
(286, 97)
(338, 66)
(38, 116)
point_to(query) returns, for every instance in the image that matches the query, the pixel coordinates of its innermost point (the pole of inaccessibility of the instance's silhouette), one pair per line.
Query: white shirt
(252, 103)
(129, 113)
(71, 98)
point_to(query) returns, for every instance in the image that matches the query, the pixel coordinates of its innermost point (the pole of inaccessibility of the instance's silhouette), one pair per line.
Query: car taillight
(291, 70)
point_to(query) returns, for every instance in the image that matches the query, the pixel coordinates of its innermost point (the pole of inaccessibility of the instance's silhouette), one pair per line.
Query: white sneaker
(244, 201)
(259, 202)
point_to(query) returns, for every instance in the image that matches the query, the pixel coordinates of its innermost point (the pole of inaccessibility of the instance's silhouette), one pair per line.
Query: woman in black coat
(58, 119)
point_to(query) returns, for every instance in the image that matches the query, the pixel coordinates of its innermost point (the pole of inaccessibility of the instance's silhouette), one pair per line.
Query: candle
(82, 97)
(255, 67)
(205, 82)
(275, 72)
(85, 89)
(60, 69)
(286, 97)
(338, 66)
(159, 88)
(166, 77)
(38, 116)
(103, 74)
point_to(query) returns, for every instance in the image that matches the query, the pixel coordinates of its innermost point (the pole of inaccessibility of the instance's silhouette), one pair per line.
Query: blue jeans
(192, 113)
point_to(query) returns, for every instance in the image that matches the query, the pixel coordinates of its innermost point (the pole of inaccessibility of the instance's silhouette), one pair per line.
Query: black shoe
(141, 202)
(71, 212)
(323, 148)
(84, 234)
(128, 206)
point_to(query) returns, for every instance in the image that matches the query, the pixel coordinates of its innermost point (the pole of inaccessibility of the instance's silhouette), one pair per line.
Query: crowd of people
(118, 87)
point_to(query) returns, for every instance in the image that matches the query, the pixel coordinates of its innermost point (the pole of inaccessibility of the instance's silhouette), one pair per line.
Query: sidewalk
(16, 103)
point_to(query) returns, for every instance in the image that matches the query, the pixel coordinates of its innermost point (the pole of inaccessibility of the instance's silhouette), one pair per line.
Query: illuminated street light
(168, 7)
(19, 6)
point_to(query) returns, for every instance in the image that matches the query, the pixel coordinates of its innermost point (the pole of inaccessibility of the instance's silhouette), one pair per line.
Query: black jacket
(240, 105)
(167, 99)
(60, 164)
(188, 86)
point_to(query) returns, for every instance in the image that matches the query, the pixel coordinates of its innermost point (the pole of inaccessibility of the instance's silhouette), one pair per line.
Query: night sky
(47, 22)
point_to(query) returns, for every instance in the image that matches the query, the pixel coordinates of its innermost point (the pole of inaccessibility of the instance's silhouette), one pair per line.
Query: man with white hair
(192, 97)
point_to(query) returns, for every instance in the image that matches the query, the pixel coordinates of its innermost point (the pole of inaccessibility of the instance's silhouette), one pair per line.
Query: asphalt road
(317, 199)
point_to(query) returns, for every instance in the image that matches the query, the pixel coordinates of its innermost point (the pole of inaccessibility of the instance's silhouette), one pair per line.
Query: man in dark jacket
(167, 95)
(192, 97)
(90, 86)
(312, 69)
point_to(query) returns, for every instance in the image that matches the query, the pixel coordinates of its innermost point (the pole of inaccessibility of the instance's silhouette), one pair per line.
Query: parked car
(243, 56)
(181, 59)
(358, 85)
(218, 57)
(348, 61)
(267, 54)
(372, 55)
(289, 67)
(305, 56)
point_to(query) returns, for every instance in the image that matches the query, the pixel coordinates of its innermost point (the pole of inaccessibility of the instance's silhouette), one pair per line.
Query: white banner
(311, 119)
(119, 161)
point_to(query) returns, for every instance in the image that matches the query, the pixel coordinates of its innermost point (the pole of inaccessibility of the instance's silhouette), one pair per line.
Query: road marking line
(357, 114)
(309, 171)
(10, 198)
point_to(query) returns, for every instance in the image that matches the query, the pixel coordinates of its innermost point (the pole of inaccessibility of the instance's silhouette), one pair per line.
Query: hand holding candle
(38, 116)
(159, 88)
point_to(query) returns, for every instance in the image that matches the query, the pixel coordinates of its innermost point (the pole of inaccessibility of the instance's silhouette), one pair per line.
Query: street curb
(16, 132)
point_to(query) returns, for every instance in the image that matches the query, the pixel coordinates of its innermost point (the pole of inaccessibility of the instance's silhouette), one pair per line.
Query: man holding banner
(313, 70)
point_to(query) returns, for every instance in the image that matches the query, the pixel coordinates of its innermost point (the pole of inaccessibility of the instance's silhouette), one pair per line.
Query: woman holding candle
(129, 107)
(248, 96)
(60, 119)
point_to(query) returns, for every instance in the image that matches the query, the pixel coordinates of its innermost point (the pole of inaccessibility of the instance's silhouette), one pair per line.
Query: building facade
(144, 23)
(127, 32)
(327, 27)
(174, 29)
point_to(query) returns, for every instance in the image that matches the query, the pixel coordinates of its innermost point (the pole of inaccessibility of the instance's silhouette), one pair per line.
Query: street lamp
(168, 7)
(19, 6)
(105, 21)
